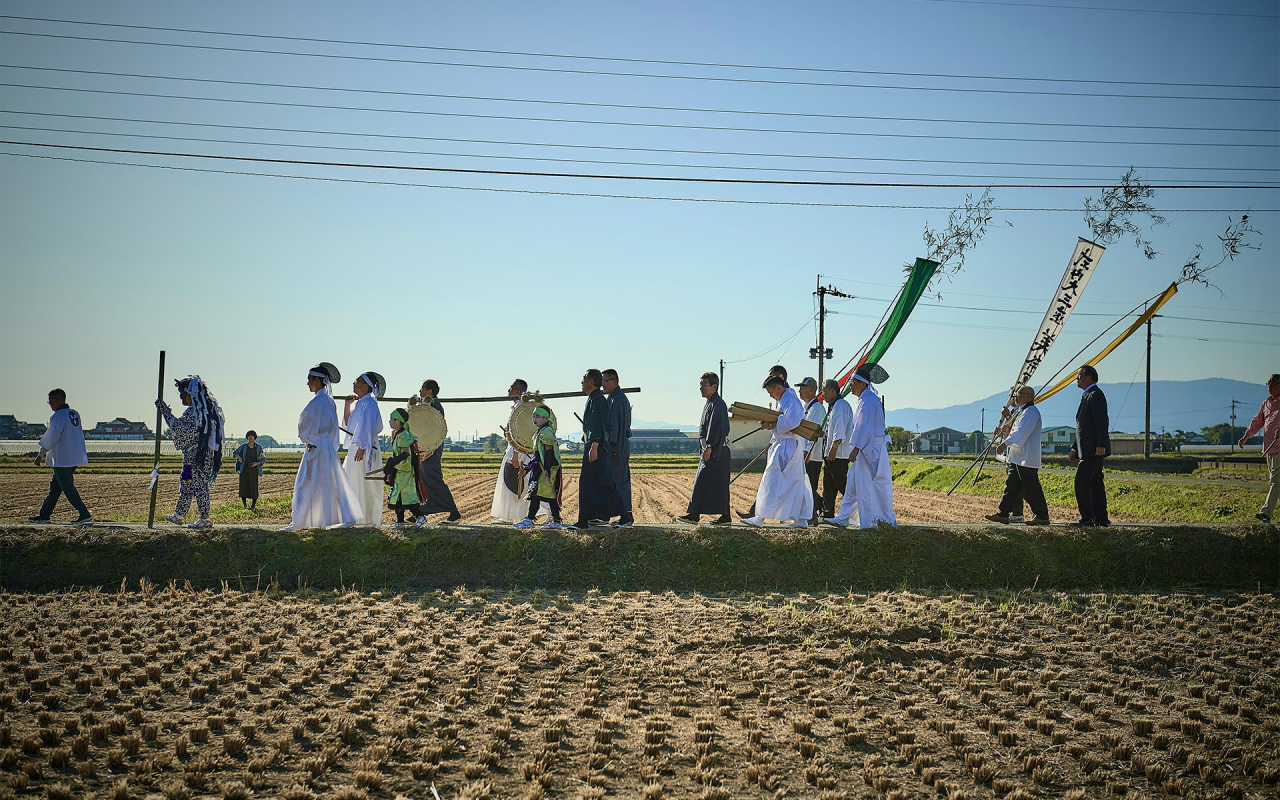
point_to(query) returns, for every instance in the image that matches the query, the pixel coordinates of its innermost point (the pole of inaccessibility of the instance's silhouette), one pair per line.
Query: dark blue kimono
(597, 495)
(438, 498)
(711, 482)
(619, 436)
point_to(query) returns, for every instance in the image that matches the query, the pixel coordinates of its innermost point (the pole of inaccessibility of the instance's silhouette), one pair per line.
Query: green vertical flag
(921, 273)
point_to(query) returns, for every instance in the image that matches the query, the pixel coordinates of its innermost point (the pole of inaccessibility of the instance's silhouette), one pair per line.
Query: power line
(614, 148)
(618, 74)
(1077, 313)
(550, 159)
(634, 106)
(1104, 8)
(618, 123)
(594, 176)
(545, 192)
(621, 60)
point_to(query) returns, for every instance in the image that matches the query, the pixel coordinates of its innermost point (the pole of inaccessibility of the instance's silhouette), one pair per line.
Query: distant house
(1057, 440)
(1127, 444)
(662, 440)
(939, 440)
(120, 429)
(1195, 438)
(13, 428)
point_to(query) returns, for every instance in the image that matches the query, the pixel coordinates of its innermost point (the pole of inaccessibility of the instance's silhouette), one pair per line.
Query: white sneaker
(174, 518)
(201, 524)
(836, 522)
(800, 523)
(1015, 518)
(420, 521)
(552, 526)
(399, 526)
(524, 524)
(503, 521)
(754, 522)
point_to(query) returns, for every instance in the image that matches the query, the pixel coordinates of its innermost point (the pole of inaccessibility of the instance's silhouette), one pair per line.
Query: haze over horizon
(250, 280)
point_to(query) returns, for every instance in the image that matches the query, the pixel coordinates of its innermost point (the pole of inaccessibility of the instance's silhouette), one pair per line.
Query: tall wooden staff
(155, 471)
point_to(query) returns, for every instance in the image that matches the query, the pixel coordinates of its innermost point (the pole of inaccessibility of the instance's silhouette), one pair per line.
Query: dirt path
(657, 497)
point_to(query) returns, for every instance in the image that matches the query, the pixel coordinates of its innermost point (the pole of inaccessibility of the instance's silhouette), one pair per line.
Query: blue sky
(250, 280)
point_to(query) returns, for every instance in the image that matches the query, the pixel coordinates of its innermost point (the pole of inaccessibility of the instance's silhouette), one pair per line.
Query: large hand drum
(521, 430)
(429, 426)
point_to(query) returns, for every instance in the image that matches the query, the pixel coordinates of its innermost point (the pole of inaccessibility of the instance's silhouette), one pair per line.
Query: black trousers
(1091, 492)
(536, 502)
(414, 509)
(833, 483)
(814, 469)
(1023, 482)
(63, 482)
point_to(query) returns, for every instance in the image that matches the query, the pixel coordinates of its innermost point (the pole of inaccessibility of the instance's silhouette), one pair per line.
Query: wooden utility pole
(1146, 448)
(822, 352)
(722, 377)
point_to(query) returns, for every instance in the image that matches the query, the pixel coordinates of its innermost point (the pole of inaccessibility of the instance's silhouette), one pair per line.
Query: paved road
(1114, 475)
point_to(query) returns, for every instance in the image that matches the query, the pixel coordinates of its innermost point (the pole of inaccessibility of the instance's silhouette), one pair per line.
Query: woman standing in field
(249, 458)
(439, 498)
(321, 497)
(198, 433)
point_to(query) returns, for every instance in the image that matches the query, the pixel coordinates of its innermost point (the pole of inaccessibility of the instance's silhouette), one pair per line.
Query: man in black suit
(1092, 445)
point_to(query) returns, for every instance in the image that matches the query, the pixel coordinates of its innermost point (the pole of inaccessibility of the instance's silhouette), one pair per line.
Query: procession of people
(821, 448)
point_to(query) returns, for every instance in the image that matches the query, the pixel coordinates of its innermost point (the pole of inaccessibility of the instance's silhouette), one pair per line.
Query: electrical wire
(619, 74)
(789, 170)
(634, 106)
(1078, 313)
(625, 124)
(616, 59)
(773, 347)
(595, 176)
(548, 193)
(1104, 8)
(611, 148)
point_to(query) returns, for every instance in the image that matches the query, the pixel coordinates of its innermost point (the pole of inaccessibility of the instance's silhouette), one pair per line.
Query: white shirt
(839, 428)
(64, 439)
(1024, 438)
(868, 421)
(792, 414)
(815, 413)
(318, 425)
(365, 423)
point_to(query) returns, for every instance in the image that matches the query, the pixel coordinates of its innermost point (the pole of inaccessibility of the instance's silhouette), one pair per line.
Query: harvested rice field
(167, 692)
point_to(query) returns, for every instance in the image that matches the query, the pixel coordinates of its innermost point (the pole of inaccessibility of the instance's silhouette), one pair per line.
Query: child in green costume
(401, 471)
(544, 472)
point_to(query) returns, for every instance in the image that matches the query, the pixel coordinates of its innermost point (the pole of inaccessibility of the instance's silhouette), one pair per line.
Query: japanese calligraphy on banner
(1079, 269)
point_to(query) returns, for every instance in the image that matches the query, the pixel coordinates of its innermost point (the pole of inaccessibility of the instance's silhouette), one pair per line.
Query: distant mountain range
(1185, 405)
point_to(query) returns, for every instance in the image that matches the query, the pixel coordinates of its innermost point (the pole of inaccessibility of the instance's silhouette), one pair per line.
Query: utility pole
(1233, 425)
(1146, 448)
(822, 352)
(722, 377)
(982, 427)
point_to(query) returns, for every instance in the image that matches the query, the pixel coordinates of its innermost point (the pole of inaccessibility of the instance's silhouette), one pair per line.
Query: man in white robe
(785, 493)
(321, 497)
(509, 506)
(868, 491)
(363, 423)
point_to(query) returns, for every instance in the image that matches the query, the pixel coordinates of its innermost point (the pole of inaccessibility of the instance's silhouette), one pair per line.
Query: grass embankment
(1150, 500)
(44, 559)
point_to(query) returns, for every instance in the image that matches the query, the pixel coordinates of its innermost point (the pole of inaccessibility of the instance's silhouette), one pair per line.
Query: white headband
(371, 383)
(319, 375)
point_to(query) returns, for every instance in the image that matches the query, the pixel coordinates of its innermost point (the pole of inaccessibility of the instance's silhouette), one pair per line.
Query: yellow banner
(1146, 315)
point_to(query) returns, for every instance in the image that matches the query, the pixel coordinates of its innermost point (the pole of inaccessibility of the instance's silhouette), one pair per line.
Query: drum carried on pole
(429, 426)
(520, 430)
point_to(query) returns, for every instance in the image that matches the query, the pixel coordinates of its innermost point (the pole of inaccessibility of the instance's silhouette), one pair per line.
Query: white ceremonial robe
(321, 497)
(364, 424)
(507, 504)
(1024, 438)
(868, 491)
(785, 493)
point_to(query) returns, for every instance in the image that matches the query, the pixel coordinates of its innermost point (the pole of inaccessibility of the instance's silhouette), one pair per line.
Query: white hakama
(785, 493)
(364, 424)
(868, 491)
(508, 505)
(321, 497)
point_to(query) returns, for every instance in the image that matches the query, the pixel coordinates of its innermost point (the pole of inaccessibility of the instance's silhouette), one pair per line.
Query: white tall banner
(1079, 269)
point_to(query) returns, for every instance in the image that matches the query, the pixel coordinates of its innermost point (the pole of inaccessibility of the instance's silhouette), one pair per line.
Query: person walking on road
(711, 481)
(63, 447)
(1268, 421)
(815, 413)
(836, 446)
(1021, 449)
(1092, 445)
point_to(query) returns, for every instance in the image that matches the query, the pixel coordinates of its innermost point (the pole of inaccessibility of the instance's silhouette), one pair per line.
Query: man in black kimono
(619, 437)
(439, 498)
(597, 496)
(1092, 446)
(711, 483)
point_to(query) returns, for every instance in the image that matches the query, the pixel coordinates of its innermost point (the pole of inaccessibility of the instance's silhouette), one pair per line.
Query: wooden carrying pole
(155, 481)
(501, 399)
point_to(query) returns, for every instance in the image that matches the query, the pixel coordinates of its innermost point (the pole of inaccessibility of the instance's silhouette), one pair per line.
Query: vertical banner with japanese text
(1084, 260)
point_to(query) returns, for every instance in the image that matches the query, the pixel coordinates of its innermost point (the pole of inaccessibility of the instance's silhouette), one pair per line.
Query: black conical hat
(379, 383)
(325, 368)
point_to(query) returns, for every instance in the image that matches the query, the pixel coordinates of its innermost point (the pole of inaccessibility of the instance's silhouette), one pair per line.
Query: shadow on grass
(1242, 557)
